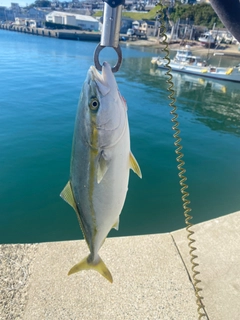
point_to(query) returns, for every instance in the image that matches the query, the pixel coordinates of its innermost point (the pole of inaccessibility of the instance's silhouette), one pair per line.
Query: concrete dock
(55, 33)
(150, 277)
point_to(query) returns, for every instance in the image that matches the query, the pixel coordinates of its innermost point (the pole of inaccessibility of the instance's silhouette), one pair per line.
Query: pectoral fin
(102, 168)
(134, 165)
(67, 195)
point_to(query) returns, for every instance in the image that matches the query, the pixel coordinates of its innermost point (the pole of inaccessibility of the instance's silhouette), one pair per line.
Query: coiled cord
(182, 171)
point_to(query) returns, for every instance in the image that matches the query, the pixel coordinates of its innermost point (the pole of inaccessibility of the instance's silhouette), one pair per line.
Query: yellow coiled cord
(182, 171)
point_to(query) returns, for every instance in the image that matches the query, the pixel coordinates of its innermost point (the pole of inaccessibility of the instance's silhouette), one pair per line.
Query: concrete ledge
(150, 275)
(218, 250)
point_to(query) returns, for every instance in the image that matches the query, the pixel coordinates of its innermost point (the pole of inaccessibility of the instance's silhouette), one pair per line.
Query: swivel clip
(112, 13)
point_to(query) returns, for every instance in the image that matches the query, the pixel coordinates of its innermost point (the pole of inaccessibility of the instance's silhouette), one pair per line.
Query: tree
(201, 14)
(40, 4)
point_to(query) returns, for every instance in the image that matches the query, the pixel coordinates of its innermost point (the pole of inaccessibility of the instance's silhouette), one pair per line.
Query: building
(136, 24)
(33, 17)
(3, 13)
(38, 15)
(6, 14)
(126, 24)
(15, 8)
(78, 20)
(150, 28)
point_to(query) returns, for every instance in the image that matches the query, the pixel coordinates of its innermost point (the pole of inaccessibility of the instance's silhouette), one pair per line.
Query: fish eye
(94, 104)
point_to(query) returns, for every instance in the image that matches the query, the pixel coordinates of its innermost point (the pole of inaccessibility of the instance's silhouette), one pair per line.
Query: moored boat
(186, 62)
(207, 40)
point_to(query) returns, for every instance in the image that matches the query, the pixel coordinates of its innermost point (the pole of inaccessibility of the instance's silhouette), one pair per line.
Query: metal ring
(96, 58)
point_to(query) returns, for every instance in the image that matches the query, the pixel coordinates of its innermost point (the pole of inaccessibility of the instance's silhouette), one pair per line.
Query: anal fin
(116, 224)
(134, 165)
(67, 195)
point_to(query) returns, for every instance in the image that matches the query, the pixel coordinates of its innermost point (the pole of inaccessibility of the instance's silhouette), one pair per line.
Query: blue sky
(22, 3)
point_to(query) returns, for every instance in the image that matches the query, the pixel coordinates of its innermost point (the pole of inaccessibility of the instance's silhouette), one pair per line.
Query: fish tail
(88, 264)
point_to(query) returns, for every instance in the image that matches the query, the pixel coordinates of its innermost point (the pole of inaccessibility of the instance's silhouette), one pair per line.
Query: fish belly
(110, 193)
(99, 204)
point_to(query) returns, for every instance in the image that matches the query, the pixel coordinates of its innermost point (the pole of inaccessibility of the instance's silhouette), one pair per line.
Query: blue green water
(40, 83)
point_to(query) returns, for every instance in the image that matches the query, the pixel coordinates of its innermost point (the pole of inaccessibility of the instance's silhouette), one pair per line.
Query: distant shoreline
(227, 50)
(152, 42)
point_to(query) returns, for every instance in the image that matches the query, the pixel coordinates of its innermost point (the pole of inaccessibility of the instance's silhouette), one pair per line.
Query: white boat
(207, 40)
(186, 82)
(186, 62)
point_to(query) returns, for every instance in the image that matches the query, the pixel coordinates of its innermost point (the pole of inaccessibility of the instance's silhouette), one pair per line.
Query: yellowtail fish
(100, 163)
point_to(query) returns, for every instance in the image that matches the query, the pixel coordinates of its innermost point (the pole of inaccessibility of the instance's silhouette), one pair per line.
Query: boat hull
(228, 74)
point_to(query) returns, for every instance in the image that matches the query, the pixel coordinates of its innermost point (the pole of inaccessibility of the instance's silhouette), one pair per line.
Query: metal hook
(96, 58)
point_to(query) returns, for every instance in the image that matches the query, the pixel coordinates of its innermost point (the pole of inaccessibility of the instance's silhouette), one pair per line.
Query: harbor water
(40, 83)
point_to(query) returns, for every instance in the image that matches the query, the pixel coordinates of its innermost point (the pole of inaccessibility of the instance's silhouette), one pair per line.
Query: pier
(152, 277)
(55, 33)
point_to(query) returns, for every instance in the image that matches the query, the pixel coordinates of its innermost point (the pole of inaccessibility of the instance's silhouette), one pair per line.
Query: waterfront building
(150, 28)
(78, 20)
(15, 8)
(33, 17)
(126, 24)
(6, 14)
(38, 15)
(2, 13)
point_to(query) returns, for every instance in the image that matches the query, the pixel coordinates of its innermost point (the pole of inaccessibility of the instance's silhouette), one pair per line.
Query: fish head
(104, 108)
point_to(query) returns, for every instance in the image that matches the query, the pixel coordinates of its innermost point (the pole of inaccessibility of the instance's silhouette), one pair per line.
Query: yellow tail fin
(87, 264)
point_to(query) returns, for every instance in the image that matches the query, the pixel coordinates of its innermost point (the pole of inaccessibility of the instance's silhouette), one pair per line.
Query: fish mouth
(96, 75)
(105, 78)
(102, 81)
(93, 74)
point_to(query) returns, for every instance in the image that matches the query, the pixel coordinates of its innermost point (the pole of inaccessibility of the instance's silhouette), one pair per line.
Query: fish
(100, 163)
